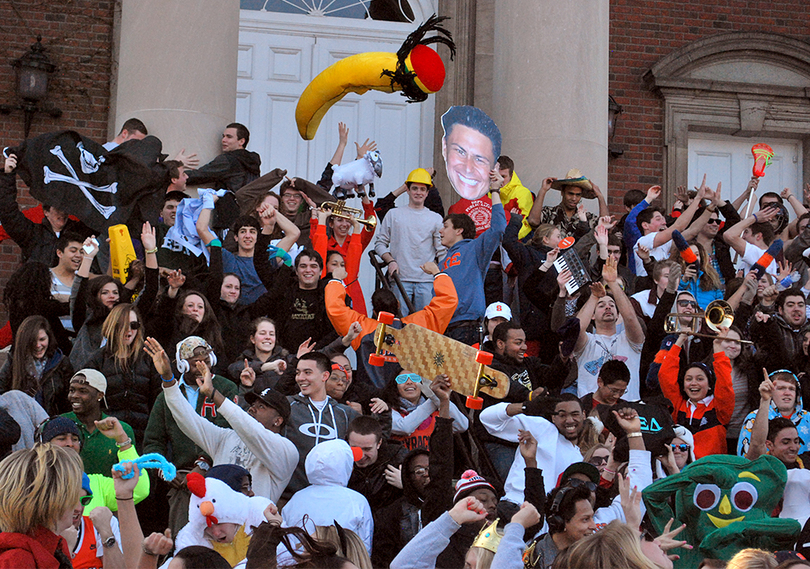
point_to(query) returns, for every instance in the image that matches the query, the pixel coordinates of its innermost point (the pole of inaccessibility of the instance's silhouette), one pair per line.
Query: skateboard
(429, 354)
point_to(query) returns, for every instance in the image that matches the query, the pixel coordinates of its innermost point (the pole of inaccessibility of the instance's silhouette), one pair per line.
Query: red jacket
(706, 422)
(37, 550)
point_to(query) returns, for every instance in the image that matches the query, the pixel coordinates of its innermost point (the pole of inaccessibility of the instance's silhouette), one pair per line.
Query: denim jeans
(420, 294)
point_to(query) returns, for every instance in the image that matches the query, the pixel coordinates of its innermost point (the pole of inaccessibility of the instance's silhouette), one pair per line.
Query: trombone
(718, 314)
(339, 209)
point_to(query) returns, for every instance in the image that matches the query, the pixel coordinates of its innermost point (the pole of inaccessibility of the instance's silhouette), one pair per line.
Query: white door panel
(279, 54)
(728, 160)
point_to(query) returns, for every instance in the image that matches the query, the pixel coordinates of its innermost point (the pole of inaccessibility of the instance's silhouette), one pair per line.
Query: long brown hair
(23, 374)
(709, 280)
(208, 328)
(115, 329)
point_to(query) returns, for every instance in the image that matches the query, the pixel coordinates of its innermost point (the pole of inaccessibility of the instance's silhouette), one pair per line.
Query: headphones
(182, 365)
(556, 523)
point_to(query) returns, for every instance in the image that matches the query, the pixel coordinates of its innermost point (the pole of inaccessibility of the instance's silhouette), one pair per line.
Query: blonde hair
(541, 232)
(115, 329)
(752, 559)
(614, 546)
(38, 486)
(355, 551)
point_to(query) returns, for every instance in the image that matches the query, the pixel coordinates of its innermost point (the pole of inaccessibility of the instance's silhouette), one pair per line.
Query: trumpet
(718, 314)
(339, 209)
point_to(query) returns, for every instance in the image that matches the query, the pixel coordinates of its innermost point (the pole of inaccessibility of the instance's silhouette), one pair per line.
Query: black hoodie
(228, 171)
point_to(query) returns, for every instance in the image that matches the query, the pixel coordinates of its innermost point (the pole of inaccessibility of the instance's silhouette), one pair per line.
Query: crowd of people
(645, 354)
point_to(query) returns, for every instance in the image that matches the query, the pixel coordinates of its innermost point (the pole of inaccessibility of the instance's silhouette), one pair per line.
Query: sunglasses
(683, 447)
(576, 483)
(714, 221)
(404, 377)
(135, 325)
(688, 303)
(85, 500)
(597, 460)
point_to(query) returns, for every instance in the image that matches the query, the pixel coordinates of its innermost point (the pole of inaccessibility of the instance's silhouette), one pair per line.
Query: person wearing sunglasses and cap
(94, 540)
(86, 394)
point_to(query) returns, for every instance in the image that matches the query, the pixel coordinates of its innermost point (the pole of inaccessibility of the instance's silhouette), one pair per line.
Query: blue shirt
(467, 263)
(252, 287)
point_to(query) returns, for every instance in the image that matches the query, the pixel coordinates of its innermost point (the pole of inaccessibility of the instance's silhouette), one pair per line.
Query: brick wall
(77, 35)
(641, 33)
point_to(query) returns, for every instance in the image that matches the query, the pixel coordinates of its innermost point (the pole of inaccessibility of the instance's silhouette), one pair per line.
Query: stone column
(550, 91)
(176, 71)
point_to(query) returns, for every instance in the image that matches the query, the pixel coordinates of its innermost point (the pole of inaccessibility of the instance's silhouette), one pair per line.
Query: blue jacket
(632, 233)
(467, 263)
(703, 297)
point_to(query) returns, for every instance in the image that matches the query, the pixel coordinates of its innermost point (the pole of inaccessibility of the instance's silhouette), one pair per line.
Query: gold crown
(488, 537)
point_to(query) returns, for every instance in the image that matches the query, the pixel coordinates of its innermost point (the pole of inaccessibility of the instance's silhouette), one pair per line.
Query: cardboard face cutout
(726, 504)
(471, 144)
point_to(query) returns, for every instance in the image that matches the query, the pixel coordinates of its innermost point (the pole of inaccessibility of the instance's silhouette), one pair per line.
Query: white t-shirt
(643, 298)
(60, 288)
(600, 349)
(658, 253)
(751, 256)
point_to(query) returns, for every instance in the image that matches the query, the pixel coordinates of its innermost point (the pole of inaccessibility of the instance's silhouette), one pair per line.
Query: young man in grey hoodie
(314, 416)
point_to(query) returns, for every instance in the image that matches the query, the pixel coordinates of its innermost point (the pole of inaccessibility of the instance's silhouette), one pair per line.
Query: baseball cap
(94, 379)
(272, 398)
(585, 468)
(498, 310)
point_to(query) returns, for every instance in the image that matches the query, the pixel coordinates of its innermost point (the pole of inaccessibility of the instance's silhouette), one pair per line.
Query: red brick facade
(77, 36)
(641, 33)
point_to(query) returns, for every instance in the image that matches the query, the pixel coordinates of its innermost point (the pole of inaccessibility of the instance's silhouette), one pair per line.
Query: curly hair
(28, 288)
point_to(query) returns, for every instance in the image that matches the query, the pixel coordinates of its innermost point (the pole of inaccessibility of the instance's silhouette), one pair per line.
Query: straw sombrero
(575, 178)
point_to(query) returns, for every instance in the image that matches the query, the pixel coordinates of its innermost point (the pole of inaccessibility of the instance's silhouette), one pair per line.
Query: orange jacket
(706, 422)
(435, 316)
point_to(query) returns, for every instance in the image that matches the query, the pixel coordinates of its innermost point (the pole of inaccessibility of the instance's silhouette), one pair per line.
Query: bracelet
(123, 499)
(123, 444)
(167, 380)
(530, 395)
(755, 218)
(151, 251)
(633, 435)
(148, 552)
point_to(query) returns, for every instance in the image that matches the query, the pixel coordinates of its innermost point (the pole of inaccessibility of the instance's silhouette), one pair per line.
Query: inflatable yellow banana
(415, 69)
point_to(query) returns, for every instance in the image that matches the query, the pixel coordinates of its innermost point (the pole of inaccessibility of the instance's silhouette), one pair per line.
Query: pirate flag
(70, 172)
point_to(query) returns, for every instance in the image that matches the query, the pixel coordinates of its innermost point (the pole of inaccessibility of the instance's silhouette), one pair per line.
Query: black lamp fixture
(32, 70)
(614, 110)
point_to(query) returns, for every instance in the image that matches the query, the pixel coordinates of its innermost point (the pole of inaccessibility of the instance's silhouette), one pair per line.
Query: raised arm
(635, 333)
(759, 433)
(733, 235)
(683, 220)
(603, 206)
(343, 139)
(536, 213)
(749, 189)
(291, 231)
(797, 206)
(204, 220)
(585, 314)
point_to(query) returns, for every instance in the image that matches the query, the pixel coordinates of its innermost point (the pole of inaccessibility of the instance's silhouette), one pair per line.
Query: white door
(280, 53)
(728, 159)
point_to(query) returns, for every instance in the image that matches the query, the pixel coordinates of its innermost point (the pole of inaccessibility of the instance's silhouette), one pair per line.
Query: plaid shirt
(555, 215)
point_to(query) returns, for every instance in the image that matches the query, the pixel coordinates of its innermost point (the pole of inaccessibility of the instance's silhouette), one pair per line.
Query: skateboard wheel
(385, 318)
(483, 358)
(376, 360)
(475, 403)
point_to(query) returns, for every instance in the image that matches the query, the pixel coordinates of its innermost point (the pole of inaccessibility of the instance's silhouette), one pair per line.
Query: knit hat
(469, 482)
(55, 427)
(86, 484)
(230, 474)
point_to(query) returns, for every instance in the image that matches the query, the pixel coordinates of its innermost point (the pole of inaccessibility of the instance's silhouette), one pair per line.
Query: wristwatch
(110, 541)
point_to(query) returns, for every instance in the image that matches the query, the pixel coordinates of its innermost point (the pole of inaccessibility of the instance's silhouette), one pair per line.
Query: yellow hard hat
(420, 176)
